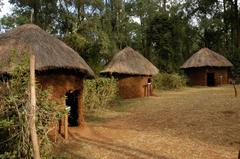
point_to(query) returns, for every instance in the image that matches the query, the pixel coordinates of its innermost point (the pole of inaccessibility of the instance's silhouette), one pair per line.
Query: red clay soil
(195, 123)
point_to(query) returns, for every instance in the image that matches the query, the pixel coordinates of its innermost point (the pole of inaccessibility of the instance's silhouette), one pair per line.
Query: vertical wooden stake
(145, 90)
(66, 127)
(32, 107)
(32, 12)
(55, 132)
(151, 90)
(60, 126)
(221, 79)
(235, 89)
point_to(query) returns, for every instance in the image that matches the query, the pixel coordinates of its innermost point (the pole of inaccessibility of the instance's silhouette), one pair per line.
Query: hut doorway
(149, 80)
(210, 79)
(72, 102)
(149, 87)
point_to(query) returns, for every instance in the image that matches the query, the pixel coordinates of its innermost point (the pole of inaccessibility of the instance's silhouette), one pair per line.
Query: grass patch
(95, 118)
(128, 104)
(204, 121)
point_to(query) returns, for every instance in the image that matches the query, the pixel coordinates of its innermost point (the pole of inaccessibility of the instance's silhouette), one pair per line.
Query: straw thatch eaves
(206, 57)
(129, 61)
(50, 52)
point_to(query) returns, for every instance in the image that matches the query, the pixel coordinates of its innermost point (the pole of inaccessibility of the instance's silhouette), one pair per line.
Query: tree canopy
(165, 32)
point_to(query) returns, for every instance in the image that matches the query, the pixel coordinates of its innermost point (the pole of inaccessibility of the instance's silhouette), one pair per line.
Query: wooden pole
(32, 107)
(221, 79)
(233, 82)
(235, 89)
(32, 12)
(66, 127)
(60, 126)
(151, 90)
(65, 124)
(55, 132)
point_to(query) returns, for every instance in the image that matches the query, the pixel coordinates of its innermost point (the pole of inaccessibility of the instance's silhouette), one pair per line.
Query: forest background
(167, 32)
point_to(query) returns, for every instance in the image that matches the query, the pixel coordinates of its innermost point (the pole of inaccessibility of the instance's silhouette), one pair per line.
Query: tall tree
(44, 11)
(144, 11)
(166, 32)
(1, 4)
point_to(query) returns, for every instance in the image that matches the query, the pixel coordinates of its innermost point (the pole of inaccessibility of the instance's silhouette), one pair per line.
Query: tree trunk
(225, 24)
(236, 23)
(164, 5)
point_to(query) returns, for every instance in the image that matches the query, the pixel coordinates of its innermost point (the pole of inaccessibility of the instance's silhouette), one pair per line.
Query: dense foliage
(14, 115)
(99, 92)
(166, 81)
(166, 32)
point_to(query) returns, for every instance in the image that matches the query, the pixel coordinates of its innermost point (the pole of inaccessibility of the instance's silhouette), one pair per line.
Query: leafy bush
(14, 128)
(166, 81)
(98, 93)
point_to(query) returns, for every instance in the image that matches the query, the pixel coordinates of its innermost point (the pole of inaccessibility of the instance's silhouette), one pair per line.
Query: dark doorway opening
(210, 79)
(72, 103)
(149, 80)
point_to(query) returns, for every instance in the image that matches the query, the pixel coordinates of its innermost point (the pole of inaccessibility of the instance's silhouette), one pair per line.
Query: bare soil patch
(194, 123)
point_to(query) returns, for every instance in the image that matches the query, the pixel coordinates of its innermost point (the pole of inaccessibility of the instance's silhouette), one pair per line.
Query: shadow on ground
(124, 150)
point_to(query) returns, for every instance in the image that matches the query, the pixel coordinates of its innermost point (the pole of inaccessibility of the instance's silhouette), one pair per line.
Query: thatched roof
(206, 57)
(129, 61)
(50, 52)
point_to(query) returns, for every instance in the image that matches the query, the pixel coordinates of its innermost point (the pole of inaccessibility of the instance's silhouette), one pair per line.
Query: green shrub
(166, 81)
(14, 118)
(99, 92)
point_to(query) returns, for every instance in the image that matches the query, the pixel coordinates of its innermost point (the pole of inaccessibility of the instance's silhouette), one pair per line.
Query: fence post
(32, 109)
(235, 89)
(66, 126)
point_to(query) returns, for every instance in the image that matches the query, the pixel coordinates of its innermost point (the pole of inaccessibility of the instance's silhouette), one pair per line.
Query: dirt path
(195, 123)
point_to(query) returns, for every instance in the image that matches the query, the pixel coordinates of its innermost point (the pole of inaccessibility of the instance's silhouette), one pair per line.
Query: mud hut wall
(198, 76)
(80, 106)
(221, 75)
(60, 85)
(132, 86)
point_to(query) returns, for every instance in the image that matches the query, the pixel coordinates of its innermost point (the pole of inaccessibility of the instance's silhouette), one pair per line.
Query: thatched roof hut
(57, 65)
(50, 52)
(129, 61)
(133, 72)
(207, 68)
(206, 57)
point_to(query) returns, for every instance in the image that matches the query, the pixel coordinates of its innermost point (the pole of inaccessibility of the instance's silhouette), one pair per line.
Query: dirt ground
(193, 123)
